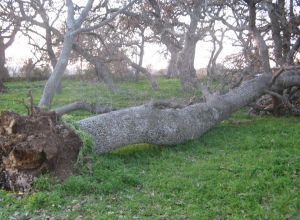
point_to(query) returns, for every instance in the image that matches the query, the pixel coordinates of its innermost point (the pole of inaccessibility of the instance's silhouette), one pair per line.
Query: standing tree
(72, 30)
(8, 30)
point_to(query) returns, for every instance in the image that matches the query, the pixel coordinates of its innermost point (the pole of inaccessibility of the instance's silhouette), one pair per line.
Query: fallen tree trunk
(165, 126)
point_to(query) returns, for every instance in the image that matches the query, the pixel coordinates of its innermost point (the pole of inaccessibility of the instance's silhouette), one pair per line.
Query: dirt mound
(33, 145)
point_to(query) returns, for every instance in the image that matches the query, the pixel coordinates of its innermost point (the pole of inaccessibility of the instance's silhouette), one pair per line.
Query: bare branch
(93, 108)
(105, 22)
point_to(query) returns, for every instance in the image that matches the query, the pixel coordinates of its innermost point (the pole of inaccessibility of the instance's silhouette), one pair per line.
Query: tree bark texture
(165, 126)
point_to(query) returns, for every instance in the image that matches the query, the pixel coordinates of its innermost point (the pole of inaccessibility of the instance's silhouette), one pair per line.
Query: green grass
(245, 168)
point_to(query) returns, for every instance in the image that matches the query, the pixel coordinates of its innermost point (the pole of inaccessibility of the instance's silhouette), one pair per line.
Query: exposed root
(32, 145)
(278, 104)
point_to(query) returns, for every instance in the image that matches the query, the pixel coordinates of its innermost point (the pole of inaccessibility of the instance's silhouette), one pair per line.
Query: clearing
(245, 168)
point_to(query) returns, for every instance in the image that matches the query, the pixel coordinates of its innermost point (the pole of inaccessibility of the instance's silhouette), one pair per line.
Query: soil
(34, 145)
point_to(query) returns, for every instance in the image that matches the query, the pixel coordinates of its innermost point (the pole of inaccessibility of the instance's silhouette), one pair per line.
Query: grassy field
(245, 168)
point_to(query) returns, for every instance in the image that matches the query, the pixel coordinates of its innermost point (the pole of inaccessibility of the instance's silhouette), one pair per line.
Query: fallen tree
(28, 142)
(166, 125)
(38, 143)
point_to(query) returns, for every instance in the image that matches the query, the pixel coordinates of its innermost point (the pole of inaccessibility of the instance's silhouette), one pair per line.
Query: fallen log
(166, 126)
(169, 125)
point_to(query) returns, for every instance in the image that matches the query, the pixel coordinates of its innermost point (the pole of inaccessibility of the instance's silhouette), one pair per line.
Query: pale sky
(20, 51)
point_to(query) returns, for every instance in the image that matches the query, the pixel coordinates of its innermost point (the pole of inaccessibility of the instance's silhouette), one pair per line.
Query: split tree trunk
(165, 126)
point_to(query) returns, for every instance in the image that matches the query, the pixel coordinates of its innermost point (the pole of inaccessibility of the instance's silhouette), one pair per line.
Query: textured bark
(165, 126)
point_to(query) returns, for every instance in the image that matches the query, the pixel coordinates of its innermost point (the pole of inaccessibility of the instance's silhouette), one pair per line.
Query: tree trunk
(261, 44)
(172, 67)
(286, 34)
(165, 126)
(52, 56)
(143, 70)
(103, 72)
(210, 68)
(3, 70)
(293, 51)
(275, 27)
(141, 55)
(55, 78)
(185, 64)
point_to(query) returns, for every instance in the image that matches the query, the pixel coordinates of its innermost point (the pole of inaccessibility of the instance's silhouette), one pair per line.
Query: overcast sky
(20, 51)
